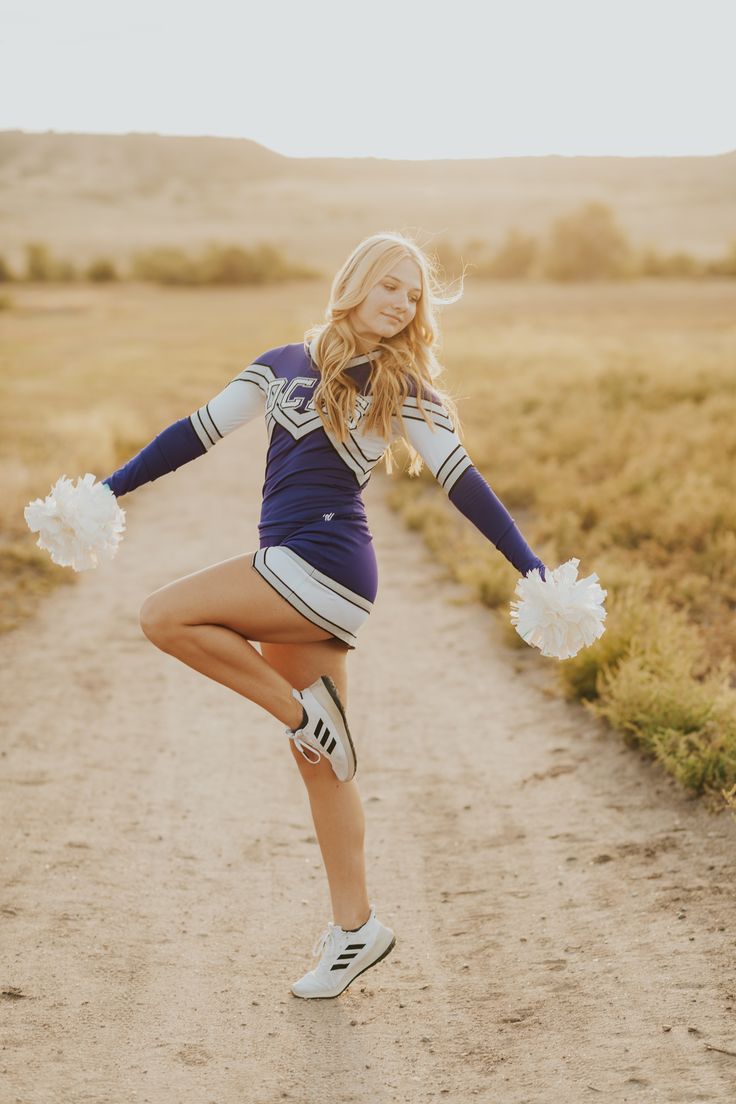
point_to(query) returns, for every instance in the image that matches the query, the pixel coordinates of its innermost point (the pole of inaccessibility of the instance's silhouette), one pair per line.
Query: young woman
(333, 405)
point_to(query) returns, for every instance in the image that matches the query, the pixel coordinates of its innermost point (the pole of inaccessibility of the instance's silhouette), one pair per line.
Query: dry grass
(602, 415)
(603, 419)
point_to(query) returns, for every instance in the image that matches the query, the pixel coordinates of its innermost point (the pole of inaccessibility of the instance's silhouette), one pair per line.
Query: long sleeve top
(309, 472)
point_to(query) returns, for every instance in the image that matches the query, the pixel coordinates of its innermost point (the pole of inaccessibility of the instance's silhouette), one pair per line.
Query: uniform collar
(365, 359)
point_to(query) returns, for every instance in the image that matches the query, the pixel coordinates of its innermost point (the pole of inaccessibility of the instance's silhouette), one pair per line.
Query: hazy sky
(461, 78)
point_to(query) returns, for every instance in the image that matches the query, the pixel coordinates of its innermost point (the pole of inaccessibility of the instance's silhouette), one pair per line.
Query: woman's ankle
(350, 919)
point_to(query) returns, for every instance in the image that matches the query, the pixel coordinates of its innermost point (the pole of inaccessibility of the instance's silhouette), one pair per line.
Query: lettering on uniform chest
(295, 398)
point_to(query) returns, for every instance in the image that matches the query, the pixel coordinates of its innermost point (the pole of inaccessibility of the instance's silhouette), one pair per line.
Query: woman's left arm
(447, 459)
(243, 399)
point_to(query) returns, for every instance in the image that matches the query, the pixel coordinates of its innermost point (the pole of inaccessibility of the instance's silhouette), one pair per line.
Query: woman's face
(389, 306)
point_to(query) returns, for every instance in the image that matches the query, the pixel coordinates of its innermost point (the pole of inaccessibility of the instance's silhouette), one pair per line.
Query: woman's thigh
(233, 594)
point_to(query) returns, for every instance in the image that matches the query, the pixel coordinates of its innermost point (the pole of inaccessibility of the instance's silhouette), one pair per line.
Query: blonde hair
(407, 357)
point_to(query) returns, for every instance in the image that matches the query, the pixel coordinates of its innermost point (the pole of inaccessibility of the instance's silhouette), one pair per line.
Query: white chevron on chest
(297, 414)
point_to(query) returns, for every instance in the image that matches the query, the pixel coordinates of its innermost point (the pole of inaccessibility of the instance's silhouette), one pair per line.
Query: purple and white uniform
(316, 548)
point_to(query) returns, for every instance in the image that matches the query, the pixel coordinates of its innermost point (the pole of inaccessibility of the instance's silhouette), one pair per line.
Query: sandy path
(564, 913)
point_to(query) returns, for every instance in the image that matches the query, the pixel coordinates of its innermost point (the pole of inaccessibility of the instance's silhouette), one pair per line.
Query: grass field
(602, 415)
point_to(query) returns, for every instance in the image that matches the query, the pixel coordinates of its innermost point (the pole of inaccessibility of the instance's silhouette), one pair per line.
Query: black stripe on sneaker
(332, 746)
(369, 964)
(318, 728)
(355, 946)
(340, 965)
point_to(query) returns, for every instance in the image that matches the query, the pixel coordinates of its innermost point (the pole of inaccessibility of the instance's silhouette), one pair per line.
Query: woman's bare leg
(207, 620)
(337, 810)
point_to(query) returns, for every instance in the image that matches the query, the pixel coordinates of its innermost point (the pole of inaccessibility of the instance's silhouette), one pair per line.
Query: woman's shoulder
(292, 351)
(428, 394)
(270, 355)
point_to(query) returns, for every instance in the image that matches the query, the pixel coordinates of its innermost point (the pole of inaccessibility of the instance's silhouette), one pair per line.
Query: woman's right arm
(242, 400)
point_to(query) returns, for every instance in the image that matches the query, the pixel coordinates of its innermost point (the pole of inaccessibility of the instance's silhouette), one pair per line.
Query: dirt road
(564, 913)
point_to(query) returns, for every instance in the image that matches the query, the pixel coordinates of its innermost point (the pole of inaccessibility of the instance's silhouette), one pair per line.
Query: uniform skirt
(326, 572)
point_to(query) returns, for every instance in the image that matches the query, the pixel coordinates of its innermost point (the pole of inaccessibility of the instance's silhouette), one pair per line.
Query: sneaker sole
(331, 996)
(332, 691)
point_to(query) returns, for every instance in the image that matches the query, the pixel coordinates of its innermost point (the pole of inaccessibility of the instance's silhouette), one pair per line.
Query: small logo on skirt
(328, 517)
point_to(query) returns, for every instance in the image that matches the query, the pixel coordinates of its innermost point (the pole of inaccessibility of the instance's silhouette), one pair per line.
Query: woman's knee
(156, 621)
(313, 774)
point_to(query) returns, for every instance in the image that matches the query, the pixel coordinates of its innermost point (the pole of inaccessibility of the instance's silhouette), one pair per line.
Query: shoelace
(327, 941)
(302, 746)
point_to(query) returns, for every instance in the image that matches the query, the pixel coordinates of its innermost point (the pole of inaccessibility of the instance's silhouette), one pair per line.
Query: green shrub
(686, 723)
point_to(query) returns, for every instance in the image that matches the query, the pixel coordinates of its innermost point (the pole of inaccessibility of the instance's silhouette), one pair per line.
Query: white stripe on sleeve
(243, 399)
(439, 446)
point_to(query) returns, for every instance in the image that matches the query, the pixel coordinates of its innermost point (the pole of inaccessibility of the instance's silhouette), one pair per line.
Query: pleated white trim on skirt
(332, 606)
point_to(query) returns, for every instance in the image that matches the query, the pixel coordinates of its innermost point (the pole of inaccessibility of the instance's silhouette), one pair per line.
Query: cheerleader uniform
(315, 545)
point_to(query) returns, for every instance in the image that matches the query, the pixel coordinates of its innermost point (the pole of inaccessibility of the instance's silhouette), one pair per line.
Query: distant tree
(63, 272)
(725, 265)
(514, 258)
(475, 246)
(229, 265)
(38, 262)
(219, 265)
(165, 265)
(679, 265)
(233, 264)
(587, 245)
(41, 266)
(101, 271)
(650, 263)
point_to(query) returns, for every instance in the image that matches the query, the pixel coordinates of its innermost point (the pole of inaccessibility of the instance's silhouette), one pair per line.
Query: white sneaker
(345, 955)
(326, 731)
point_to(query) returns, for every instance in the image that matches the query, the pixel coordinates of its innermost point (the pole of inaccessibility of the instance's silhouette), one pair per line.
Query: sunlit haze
(382, 79)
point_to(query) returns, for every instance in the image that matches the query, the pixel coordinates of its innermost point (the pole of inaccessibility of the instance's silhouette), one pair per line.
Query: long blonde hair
(398, 361)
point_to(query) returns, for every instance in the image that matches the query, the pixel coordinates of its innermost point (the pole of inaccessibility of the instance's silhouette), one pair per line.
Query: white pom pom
(559, 615)
(78, 525)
